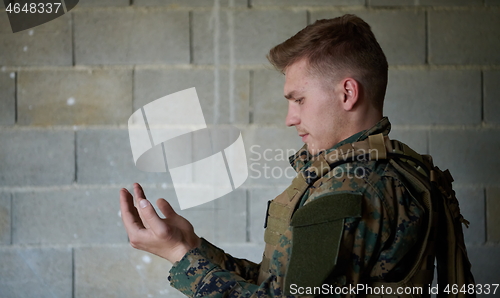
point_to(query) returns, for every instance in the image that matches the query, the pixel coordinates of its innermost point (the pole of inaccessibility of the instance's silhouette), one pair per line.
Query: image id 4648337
(25, 14)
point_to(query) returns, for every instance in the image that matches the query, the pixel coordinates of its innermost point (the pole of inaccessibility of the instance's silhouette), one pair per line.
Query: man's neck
(360, 122)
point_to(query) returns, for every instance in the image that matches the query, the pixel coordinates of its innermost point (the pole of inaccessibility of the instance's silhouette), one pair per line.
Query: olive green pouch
(317, 231)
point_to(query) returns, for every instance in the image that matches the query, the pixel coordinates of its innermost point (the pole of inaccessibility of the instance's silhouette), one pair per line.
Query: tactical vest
(443, 236)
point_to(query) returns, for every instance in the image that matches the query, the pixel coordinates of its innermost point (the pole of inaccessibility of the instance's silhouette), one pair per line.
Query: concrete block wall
(68, 87)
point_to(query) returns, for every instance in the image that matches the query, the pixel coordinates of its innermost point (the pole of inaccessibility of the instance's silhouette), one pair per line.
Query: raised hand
(170, 237)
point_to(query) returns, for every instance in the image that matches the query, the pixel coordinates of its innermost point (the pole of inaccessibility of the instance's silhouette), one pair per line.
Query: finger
(138, 196)
(151, 218)
(138, 192)
(130, 216)
(165, 208)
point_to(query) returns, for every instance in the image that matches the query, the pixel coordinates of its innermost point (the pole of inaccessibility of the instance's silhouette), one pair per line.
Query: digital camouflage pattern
(377, 246)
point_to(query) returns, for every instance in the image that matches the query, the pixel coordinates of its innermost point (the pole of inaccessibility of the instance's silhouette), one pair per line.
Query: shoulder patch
(317, 229)
(328, 207)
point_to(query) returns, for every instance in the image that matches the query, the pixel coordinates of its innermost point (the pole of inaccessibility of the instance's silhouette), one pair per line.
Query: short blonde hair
(336, 47)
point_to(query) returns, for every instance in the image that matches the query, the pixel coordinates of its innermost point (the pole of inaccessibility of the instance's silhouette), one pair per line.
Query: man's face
(314, 108)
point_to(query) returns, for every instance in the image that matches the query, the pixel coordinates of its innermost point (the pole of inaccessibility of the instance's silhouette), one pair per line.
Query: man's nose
(292, 117)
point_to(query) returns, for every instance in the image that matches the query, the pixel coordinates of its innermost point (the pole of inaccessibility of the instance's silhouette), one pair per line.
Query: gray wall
(68, 87)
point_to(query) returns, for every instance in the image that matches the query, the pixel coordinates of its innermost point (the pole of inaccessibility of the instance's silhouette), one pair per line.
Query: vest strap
(377, 146)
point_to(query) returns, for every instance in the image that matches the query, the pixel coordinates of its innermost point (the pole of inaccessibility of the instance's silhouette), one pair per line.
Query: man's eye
(299, 100)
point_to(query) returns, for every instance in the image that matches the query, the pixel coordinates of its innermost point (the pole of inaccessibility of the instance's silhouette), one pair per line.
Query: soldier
(345, 220)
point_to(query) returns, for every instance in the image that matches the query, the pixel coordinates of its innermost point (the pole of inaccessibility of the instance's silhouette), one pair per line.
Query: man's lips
(303, 136)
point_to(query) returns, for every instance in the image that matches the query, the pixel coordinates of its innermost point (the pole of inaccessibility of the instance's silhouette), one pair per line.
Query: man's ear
(351, 93)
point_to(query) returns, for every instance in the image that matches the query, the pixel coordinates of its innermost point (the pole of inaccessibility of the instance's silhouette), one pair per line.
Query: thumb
(165, 208)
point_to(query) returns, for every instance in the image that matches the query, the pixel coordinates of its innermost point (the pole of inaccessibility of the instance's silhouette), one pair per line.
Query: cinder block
(268, 103)
(425, 2)
(491, 108)
(7, 98)
(251, 38)
(268, 159)
(415, 138)
(35, 272)
(190, 3)
(257, 3)
(492, 218)
(249, 251)
(81, 97)
(231, 217)
(203, 220)
(456, 36)
(83, 216)
(485, 260)
(121, 271)
(104, 157)
(257, 205)
(37, 157)
(131, 37)
(401, 34)
(472, 207)
(46, 44)
(5, 214)
(434, 97)
(231, 89)
(469, 154)
(91, 3)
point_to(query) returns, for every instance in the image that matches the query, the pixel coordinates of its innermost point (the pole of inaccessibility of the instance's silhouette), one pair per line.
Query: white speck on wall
(119, 213)
(149, 295)
(31, 32)
(30, 107)
(146, 259)
(164, 185)
(87, 193)
(12, 75)
(138, 267)
(75, 236)
(163, 292)
(112, 163)
(25, 49)
(3, 68)
(71, 101)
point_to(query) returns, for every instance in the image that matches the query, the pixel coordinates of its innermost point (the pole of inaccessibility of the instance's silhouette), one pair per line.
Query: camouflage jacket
(376, 246)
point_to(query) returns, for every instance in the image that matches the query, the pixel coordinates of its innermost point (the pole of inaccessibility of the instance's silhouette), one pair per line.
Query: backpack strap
(453, 263)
